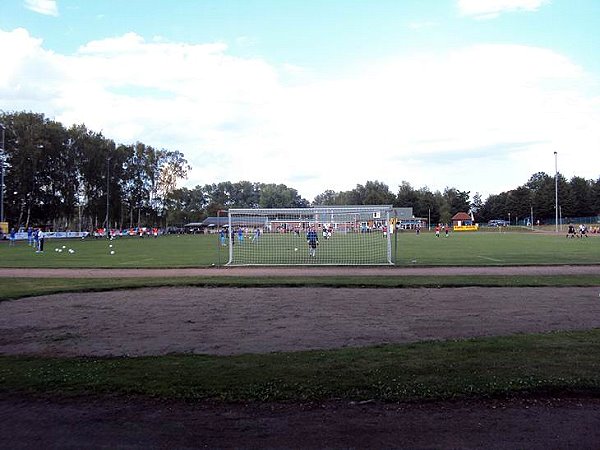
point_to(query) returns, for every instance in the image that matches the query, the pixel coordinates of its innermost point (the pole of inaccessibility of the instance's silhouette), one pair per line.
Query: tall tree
(476, 203)
(280, 196)
(328, 197)
(581, 197)
(458, 201)
(407, 196)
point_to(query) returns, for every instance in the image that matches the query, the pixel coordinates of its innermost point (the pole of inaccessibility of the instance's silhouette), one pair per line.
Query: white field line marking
(490, 259)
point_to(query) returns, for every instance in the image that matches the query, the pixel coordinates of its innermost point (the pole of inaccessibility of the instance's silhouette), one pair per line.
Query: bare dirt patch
(257, 320)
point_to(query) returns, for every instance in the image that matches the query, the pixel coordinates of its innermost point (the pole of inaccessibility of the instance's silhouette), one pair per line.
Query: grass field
(554, 363)
(460, 249)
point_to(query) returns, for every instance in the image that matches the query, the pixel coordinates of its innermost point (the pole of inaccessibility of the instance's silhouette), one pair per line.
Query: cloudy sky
(472, 94)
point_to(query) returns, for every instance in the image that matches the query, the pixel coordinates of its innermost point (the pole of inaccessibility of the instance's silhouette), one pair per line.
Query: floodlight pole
(556, 192)
(107, 197)
(2, 177)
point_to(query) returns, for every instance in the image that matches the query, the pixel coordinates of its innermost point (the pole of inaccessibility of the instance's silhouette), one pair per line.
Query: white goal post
(327, 235)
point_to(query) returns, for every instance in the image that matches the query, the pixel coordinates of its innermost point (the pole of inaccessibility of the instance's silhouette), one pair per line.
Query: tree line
(577, 198)
(65, 178)
(75, 178)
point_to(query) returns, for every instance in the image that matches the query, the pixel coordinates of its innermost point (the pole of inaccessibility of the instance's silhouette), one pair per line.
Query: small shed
(461, 219)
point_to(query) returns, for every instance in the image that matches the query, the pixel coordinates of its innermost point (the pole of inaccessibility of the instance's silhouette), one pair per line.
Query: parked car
(497, 223)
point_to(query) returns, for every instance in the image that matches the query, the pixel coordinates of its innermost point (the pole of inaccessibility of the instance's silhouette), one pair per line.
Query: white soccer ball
(71, 250)
(110, 245)
(296, 249)
(55, 249)
(112, 252)
(60, 250)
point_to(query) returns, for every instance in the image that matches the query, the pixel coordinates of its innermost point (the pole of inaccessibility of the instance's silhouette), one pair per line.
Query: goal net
(345, 235)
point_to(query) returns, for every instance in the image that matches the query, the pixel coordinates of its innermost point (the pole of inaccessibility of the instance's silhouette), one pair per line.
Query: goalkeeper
(313, 240)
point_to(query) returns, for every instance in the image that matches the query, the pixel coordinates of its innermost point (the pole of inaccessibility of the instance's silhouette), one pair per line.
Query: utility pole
(107, 197)
(556, 190)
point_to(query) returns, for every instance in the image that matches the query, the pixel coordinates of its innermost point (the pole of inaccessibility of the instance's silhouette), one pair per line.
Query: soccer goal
(344, 235)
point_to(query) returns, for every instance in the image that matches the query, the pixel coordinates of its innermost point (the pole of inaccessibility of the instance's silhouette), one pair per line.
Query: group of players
(35, 238)
(580, 232)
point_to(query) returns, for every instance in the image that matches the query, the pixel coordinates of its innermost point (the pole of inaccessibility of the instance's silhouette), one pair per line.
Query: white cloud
(480, 118)
(489, 9)
(46, 7)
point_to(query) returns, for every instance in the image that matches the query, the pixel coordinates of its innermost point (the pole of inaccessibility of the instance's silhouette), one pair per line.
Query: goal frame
(315, 217)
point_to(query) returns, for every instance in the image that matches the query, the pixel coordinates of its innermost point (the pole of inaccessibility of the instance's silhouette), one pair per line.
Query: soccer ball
(296, 249)
(112, 252)
(110, 245)
(71, 251)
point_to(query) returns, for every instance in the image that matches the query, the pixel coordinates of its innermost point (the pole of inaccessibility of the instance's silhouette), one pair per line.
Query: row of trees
(190, 205)
(65, 178)
(193, 205)
(577, 198)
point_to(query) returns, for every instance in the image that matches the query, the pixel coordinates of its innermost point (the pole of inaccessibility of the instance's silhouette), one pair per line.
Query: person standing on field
(40, 241)
(312, 238)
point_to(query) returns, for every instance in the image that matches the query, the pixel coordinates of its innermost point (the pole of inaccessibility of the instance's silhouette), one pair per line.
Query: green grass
(460, 249)
(167, 251)
(565, 362)
(495, 248)
(14, 288)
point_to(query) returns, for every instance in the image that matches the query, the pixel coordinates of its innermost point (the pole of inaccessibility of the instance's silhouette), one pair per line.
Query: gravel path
(301, 271)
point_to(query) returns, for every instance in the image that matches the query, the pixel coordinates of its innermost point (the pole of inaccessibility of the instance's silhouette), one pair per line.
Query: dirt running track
(301, 271)
(229, 320)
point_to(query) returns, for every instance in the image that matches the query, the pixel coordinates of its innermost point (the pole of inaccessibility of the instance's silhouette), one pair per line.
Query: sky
(321, 94)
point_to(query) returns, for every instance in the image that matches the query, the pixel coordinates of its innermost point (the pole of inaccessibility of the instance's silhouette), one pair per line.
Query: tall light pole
(556, 191)
(107, 196)
(2, 177)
